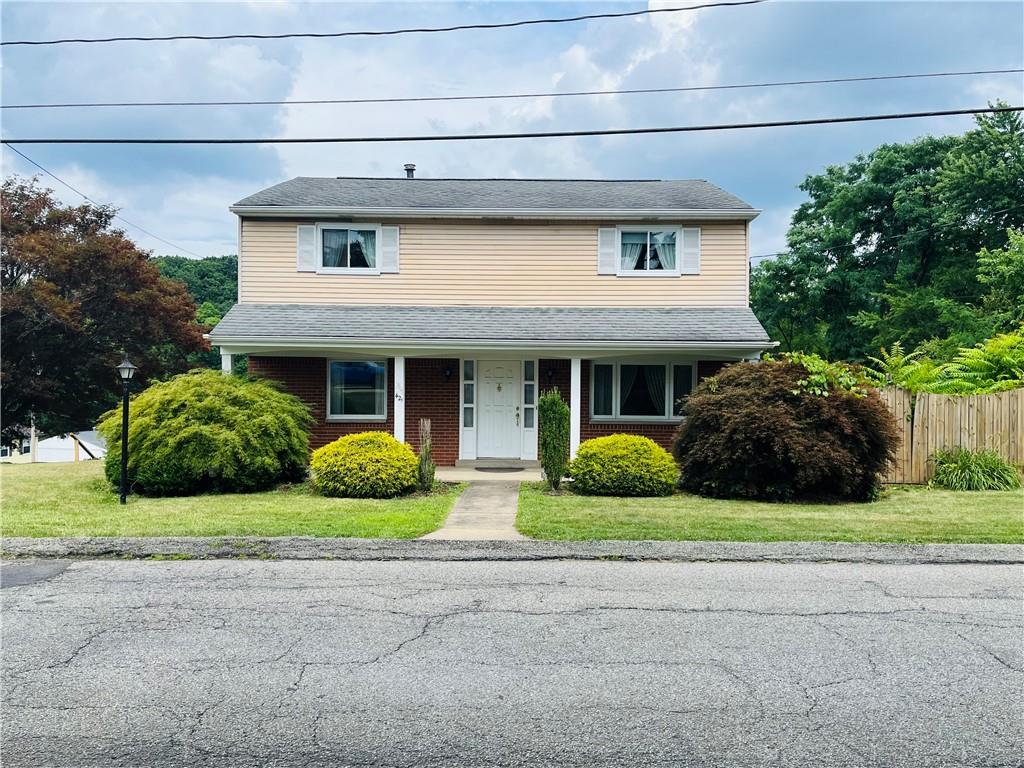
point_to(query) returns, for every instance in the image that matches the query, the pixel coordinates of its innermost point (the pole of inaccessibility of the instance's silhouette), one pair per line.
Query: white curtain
(335, 247)
(663, 250)
(363, 251)
(633, 250)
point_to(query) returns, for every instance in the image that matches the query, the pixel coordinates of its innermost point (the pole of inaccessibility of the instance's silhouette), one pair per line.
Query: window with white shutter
(330, 248)
(648, 251)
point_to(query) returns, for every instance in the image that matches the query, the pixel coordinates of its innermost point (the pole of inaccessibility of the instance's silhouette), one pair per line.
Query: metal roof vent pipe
(410, 170)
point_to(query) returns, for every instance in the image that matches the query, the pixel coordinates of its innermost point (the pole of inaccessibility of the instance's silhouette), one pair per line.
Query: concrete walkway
(486, 510)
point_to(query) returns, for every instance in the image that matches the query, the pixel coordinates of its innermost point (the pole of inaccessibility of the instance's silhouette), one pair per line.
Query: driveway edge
(308, 548)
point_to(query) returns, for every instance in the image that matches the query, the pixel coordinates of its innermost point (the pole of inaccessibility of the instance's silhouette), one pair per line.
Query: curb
(309, 548)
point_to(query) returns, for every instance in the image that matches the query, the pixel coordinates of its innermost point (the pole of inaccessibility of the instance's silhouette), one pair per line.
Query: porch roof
(308, 324)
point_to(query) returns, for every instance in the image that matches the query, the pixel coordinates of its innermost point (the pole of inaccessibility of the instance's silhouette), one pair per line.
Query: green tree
(77, 294)
(1001, 271)
(213, 280)
(213, 284)
(886, 247)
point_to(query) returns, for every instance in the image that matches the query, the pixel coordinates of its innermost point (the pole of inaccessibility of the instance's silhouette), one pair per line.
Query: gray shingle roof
(296, 322)
(497, 194)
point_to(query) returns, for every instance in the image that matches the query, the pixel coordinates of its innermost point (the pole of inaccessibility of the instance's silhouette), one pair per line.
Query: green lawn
(75, 500)
(904, 514)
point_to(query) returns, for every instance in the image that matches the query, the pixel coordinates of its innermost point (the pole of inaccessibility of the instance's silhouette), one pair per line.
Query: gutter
(672, 214)
(470, 344)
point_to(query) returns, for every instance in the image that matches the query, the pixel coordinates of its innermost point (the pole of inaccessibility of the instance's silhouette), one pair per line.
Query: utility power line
(881, 240)
(501, 96)
(57, 178)
(530, 135)
(384, 33)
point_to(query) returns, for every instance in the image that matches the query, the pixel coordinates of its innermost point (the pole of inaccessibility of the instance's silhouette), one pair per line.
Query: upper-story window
(648, 250)
(348, 248)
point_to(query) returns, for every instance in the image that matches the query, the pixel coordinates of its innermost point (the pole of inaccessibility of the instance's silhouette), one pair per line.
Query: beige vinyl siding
(551, 264)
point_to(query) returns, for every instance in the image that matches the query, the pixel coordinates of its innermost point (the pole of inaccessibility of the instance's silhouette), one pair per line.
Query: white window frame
(529, 434)
(620, 272)
(356, 417)
(467, 435)
(322, 270)
(616, 385)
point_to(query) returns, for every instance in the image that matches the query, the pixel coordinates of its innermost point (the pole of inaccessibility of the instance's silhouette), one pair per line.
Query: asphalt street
(566, 663)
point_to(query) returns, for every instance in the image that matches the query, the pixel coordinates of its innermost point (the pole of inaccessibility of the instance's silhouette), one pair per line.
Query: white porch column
(575, 406)
(400, 399)
(226, 362)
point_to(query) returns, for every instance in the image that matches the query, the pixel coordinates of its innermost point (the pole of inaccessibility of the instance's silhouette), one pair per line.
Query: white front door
(498, 428)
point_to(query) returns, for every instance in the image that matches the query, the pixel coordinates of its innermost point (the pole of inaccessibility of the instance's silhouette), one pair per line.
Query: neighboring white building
(76, 446)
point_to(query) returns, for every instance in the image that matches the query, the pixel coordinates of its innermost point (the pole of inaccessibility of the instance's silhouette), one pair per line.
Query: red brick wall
(427, 395)
(661, 433)
(306, 378)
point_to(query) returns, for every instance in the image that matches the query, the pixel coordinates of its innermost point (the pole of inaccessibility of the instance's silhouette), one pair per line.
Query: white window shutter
(690, 264)
(607, 258)
(388, 249)
(305, 248)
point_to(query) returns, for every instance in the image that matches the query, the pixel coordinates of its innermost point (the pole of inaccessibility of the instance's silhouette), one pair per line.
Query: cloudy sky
(181, 193)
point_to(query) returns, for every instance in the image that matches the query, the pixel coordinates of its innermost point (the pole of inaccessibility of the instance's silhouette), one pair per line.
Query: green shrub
(206, 432)
(755, 431)
(623, 465)
(961, 470)
(554, 436)
(367, 465)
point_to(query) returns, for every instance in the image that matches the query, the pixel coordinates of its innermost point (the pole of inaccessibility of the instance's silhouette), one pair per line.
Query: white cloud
(182, 193)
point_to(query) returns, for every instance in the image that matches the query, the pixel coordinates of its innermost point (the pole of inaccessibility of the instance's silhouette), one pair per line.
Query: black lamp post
(126, 371)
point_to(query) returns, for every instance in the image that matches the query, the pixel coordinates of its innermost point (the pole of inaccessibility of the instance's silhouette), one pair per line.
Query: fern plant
(894, 367)
(961, 470)
(995, 365)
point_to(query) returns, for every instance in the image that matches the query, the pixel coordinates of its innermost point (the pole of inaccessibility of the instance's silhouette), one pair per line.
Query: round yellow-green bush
(204, 432)
(623, 465)
(367, 465)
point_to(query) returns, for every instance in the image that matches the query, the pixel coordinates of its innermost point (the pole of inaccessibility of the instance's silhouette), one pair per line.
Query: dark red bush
(754, 432)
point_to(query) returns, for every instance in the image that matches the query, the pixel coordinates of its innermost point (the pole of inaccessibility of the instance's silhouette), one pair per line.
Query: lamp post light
(126, 371)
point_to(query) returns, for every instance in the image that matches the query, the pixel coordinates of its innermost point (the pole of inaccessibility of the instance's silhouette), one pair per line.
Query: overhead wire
(509, 96)
(525, 135)
(118, 216)
(384, 33)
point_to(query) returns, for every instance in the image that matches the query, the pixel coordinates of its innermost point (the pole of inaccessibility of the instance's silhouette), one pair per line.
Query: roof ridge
(500, 178)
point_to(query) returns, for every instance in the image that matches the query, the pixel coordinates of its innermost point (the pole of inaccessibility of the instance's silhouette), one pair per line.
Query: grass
(75, 500)
(903, 514)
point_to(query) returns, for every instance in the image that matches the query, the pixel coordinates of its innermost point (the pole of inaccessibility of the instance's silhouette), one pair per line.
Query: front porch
(482, 408)
(477, 372)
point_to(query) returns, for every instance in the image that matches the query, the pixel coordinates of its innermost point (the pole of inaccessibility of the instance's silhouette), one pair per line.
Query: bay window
(357, 390)
(640, 391)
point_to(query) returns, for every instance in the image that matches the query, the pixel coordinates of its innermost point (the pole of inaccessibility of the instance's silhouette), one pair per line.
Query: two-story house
(380, 301)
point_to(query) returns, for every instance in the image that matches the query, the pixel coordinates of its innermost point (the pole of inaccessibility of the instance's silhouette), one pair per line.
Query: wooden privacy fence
(930, 423)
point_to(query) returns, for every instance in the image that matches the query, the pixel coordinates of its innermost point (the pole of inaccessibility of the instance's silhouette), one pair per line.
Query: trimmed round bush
(959, 469)
(774, 430)
(205, 432)
(367, 465)
(623, 465)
